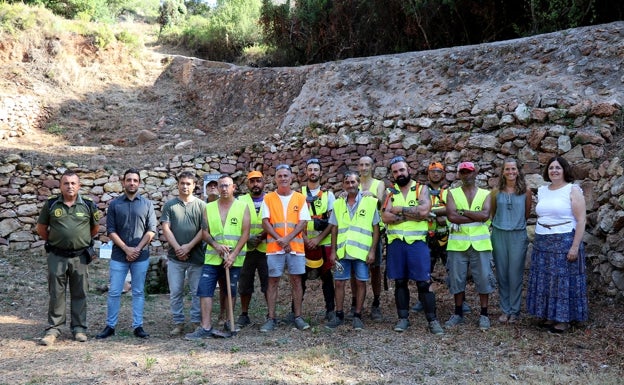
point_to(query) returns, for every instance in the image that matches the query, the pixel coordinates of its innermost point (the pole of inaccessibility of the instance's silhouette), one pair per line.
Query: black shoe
(139, 332)
(107, 332)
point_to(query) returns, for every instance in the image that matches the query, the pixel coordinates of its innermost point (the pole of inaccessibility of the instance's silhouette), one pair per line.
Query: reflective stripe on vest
(227, 235)
(355, 235)
(283, 225)
(475, 234)
(320, 207)
(408, 231)
(373, 190)
(256, 221)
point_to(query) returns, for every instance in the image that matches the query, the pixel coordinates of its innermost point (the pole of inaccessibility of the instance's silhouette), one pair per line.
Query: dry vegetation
(102, 98)
(520, 354)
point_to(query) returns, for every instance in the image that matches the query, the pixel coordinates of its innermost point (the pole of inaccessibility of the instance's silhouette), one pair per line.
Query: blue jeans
(118, 271)
(177, 271)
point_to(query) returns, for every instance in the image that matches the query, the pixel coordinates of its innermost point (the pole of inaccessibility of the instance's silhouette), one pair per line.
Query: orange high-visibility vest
(284, 226)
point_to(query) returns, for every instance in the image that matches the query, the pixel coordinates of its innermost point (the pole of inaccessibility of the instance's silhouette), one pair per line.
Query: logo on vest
(58, 213)
(411, 203)
(234, 221)
(295, 208)
(362, 213)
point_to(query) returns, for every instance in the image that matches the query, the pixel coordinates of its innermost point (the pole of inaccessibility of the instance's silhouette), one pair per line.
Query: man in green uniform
(68, 223)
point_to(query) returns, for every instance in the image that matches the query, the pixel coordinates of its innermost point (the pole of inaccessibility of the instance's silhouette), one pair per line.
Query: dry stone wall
(556, 94)
(583, 133)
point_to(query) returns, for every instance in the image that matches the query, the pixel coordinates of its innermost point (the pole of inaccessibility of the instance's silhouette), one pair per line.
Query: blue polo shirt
(130, 219)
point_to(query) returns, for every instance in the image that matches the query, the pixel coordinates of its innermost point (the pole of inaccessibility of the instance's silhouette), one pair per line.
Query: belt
(553, 225)
(64, 252)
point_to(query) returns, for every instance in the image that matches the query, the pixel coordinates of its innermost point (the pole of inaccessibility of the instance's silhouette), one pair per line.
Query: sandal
(546, 324)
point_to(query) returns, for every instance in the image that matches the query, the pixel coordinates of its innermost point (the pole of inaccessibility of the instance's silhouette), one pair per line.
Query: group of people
(314, 234)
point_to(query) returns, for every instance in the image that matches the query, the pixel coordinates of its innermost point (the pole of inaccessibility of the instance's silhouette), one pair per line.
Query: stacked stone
(20, 114)
(583, 133)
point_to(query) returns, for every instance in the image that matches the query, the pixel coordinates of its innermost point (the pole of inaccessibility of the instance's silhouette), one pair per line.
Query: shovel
(230, 304)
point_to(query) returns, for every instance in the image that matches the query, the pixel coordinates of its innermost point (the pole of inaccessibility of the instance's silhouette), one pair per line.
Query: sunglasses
(313, 161)
(282, 167)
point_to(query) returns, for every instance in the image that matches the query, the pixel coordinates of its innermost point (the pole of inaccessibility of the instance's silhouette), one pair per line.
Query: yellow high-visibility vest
(228, 234)
(475, 234)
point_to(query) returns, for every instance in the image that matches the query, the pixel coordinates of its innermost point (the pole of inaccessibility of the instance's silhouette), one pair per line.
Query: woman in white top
(557, 289)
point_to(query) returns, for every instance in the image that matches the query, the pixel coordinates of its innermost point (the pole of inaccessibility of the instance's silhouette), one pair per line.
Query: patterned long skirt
(557, 289)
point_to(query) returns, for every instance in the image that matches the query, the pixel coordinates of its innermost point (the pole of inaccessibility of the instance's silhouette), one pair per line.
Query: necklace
(509, 202)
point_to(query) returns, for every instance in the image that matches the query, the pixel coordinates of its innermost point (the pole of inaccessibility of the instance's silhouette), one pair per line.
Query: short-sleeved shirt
(352, 210)
(130, 220)
(70, 227)
(185, 220)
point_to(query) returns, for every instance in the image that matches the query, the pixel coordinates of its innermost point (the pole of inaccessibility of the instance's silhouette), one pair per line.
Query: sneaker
(334, 323)
(401, 325)
(357, 323)
(330, 315)
(514, 318)
(418, 307)
(454, 321)
(301, 324)
(268, 326)
(349, 316)
(242, 321)
(376, 314)
(199, 334)
(466, 309)
(435, 328)
(484, 322)
(80, 337)
(504, 318)
(290, 318)
(177, 330)
(48, 339)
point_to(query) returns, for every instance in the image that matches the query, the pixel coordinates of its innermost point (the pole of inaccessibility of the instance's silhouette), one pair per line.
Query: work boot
(48, 339)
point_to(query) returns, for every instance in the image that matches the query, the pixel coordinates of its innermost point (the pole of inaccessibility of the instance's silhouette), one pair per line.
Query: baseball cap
(254, 174)
(435, 166)
(466, 166)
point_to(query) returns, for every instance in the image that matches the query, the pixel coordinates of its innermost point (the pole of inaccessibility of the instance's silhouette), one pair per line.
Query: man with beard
(255, 259)
(131, 225)
(182, 221)
(468, 209)
(405, 213)
(317, 237)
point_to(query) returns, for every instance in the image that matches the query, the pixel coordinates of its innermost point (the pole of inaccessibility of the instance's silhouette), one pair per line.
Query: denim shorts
(210, 276)
(360, 269)
(277, 262)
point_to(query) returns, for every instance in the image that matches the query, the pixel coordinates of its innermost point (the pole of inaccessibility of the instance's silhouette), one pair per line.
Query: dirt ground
(521, 353)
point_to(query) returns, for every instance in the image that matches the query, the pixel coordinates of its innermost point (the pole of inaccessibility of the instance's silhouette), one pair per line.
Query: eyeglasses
(397, 159)
(282, 167)
(313, 160)
(224, 186)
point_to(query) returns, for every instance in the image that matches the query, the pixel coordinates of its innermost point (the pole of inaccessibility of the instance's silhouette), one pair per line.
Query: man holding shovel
(226, 235)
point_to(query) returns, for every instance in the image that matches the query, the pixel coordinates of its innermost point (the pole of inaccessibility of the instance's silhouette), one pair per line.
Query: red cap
(466, 166)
